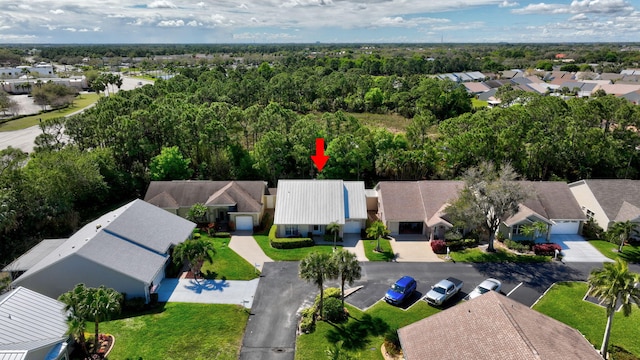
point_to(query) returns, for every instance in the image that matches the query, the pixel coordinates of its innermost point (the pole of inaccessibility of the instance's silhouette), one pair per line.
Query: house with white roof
(308, 206)
(33, 327)
(126, 249)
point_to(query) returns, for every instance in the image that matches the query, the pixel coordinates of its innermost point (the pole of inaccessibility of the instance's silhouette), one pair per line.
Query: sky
(325, 21)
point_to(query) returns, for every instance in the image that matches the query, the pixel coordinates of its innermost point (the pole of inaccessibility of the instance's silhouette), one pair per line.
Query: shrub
(223, 234)
(438, 246)
(517, 245)
(591, 230)
(328, 293)
(196, 236)
(307, 321)
(329, 238)
(546, 249)
(461, 244)
(333, 310)
(452, 235)
(135, 303)
(392, 342)
(287, 243)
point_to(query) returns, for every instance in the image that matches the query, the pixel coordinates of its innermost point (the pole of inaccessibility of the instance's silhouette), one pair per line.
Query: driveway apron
(576, 249)
(271, 329)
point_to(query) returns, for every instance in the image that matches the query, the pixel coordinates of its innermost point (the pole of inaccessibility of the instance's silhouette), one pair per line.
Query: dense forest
(261, 122)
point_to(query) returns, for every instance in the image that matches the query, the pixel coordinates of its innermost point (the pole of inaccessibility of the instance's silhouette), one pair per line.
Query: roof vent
(98, 227)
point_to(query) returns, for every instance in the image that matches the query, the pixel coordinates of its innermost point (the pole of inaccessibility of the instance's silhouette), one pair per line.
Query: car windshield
(397, 288)
(482, 290)
(439, 290)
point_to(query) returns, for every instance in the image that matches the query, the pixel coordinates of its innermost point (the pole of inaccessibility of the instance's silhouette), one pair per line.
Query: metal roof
(30, 320)
(34, 255)
(356, 200)
(310, 202)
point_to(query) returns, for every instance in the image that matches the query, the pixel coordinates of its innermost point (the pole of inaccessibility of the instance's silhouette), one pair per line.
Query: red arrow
(320, 159)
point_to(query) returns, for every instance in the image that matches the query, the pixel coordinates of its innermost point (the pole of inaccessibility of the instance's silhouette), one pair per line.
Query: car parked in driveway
(401, 290)
(484, 287)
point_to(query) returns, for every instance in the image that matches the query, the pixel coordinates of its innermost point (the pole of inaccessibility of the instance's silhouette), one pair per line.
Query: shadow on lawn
(354, 334)
(630, 254)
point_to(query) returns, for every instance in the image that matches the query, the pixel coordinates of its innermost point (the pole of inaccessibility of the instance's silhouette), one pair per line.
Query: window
(517, 230)
(316, 227)
(291, 230)
(590, 214)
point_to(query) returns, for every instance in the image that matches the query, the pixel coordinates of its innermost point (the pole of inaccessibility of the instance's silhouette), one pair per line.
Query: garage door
(352, 227)
(244, 222)
(565, 227)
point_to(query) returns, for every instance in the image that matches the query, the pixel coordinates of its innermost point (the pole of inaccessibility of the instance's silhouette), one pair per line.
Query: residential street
(271, 330)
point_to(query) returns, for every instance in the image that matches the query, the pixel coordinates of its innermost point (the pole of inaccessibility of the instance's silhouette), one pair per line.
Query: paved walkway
(576, 249)
(246, 246)
(208, 291)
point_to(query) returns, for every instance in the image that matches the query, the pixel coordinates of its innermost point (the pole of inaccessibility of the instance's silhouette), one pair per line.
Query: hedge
(287, 243)
(546, 249)
(438, 246)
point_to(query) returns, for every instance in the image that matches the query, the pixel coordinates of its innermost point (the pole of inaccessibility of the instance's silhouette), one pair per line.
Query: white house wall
(393, 227)
(586, 200)
(66, 274)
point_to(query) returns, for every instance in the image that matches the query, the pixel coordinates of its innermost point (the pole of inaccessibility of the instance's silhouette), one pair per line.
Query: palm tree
(620, 231)
(614, 284)
(541, 229)
(102, 303)
(195, 252)
(334, 228)
(74, 302)
(347, 267)
(376, 231)
(316, 268)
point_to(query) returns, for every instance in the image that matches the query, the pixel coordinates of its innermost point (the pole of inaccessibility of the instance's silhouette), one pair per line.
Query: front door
(318, 230)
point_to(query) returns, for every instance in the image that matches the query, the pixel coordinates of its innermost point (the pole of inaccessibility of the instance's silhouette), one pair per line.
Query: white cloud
(70, 29)
(201, 5)
(162, 4)
(57, 11)
(193, 23)
(243, 6)
(578, 7)
(171, 23)
(579, 17)
(507, 3)
(542, 8)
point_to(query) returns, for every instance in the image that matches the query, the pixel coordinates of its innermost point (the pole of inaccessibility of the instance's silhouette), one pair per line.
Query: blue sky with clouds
(330, 21)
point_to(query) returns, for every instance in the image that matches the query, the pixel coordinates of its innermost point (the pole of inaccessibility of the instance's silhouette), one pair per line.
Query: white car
(485, 286)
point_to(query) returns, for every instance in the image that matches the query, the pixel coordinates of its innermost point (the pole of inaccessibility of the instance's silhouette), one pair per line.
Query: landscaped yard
(315, 345)
(564, 302)
(630, 253)
(386, 254)
(476, 255)
(80, 102)
(179, 331)
(227, 264)
(289, 254)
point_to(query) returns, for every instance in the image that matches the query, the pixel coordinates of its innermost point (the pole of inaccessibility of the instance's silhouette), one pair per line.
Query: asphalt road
(271, 329)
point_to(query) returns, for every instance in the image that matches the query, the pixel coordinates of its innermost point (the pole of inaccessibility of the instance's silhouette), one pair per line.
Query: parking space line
(514, 289)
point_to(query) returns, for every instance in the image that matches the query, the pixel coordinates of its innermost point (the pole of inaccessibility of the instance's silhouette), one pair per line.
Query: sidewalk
(246, 246)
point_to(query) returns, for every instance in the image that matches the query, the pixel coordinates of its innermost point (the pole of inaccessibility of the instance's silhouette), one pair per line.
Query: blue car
(400, 290)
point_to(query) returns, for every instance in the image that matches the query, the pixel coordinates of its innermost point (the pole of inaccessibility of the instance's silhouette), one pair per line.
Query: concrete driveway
(576, 249)
(208, 291)
(413, 248)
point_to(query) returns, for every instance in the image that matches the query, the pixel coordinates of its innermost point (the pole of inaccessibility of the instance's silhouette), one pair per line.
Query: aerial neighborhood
(319, 201)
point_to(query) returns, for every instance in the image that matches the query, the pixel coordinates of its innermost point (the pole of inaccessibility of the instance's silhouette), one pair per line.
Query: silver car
(485, 286)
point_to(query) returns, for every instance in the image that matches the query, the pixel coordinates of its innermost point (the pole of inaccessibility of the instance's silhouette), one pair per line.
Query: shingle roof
(34, 255)
(30, 320)
(612, 194)
(415, 200)
(309, 202)
(246, 195)
(132, 239)
(493, 326)
(553, 200)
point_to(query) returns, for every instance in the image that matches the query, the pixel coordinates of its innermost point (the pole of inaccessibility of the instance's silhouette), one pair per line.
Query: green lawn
(564, 303)
(479, 104)
(392, 122)
(289, 254)
(315, 345)
(81, 102)
(227, 264)
(630, 253)
(386, 254)
(179, 331)
(476, 255)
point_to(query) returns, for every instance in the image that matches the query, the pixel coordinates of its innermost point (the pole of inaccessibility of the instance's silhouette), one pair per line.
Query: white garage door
(244, 222)
(565, 227)
(352, 227)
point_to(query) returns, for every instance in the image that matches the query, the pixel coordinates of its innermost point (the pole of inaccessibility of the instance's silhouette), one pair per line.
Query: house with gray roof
(308, 206)
(493, 326)
(608, 201)
(419, 208)
(126, 249)
(33, 327)
(240, 204)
